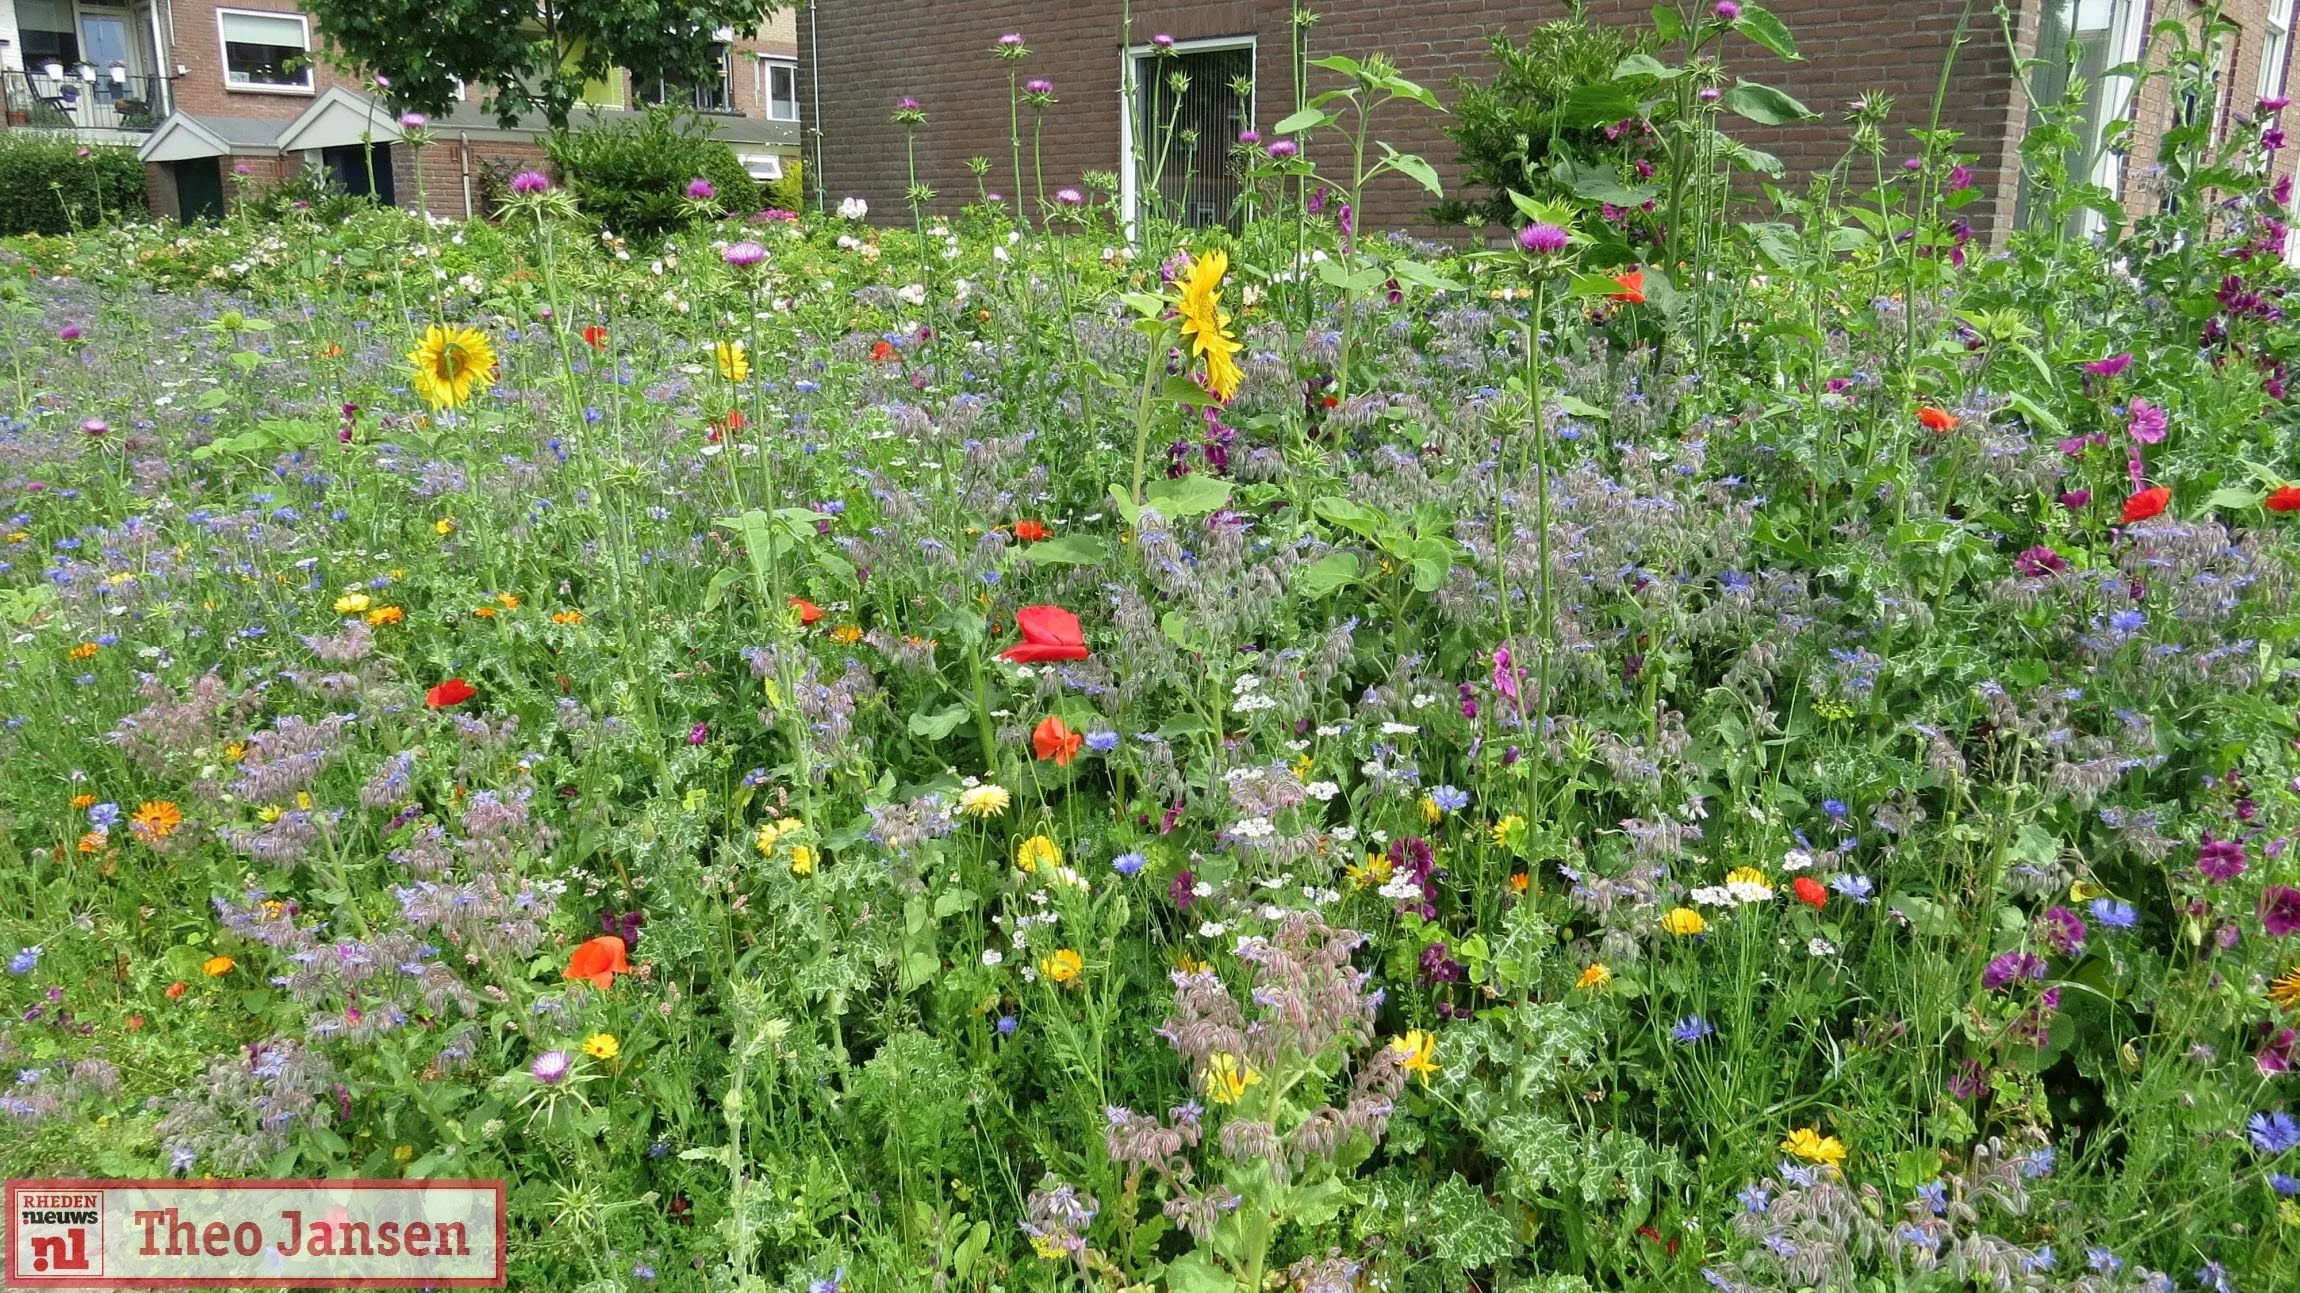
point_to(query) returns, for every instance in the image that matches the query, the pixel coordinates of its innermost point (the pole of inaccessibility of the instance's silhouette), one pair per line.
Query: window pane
(782, 92)
(265, 49)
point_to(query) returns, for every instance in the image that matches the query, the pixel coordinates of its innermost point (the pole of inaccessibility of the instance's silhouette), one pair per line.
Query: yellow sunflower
(2284, 990)
(733, 364)
(450, 363)
(1203, 323)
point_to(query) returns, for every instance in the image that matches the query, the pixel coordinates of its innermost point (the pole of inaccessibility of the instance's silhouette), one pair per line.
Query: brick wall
(195, 44)
(2240, 88)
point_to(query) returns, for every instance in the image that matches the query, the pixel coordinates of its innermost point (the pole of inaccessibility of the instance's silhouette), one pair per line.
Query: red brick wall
(448, 162)
(1895, 48)
(196, 45)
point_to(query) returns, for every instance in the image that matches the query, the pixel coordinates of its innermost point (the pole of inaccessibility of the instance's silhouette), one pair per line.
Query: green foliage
(310, 193)
(532, 67)
(53, 184)
(788, 193)
(1549, 97)
(631, 175)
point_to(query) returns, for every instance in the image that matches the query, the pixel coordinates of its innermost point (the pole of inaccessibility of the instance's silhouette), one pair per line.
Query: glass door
(107, 43)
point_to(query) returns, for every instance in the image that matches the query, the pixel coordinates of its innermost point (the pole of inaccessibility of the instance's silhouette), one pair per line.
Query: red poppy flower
(808, 611)
(1632, 285)
(2285, 499)
(1031, 531)
(599, 960)
(2147, 503)
(1049, 633)
(595, 337)
(176, 990)
(1053, 739)
(1810, 892)
(1937, 419)
(882, 352)
(449, 694)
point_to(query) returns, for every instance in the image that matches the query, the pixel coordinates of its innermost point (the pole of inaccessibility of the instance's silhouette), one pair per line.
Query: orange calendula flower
(216, 967)
(847, 634)
(567, 617)
(155, 820)
(94, 841)
(83, 801)
(84, 651)
(1520, 882)
(386, 615)
(1594, 976)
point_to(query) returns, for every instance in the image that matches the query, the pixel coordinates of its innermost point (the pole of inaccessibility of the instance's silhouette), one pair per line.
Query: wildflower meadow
(1723, 734)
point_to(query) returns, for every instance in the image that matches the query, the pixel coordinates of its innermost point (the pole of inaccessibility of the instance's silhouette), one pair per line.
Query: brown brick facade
(870, 52)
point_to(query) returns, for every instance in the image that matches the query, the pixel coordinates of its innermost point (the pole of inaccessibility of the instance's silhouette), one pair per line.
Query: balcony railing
(82, 99)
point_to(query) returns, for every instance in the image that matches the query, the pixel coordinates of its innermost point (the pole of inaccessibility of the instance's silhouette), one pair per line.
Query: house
(1239, 56)
(219, 96)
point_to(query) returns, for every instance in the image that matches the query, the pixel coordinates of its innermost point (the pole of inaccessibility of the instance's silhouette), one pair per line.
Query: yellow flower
(1228, 1076)
(2285, 990)
(443, 526)
(802, 860)
(1595, 976)
(602, 1046)
(847, 634)
(402, 1154)
(1376, 871)
(353, 603)
(2079, 891)
(1507, 831)
(567, 617)
(1745, 875)
(1419, 1047)
(1038, 851)
(510, 600)
(768, 834)
(383, 615)
(1203, 323)
(1683, 922)
(985, 800)
(449, 363)
(235, 751)
(83, 801)
(1813, 1147)
(155, 819)
(1302, 768)
(1431, 813)
(216, 967)
(268, 813)
(1189, 964)
(83, 651)
(733, 364)
(1062, 966)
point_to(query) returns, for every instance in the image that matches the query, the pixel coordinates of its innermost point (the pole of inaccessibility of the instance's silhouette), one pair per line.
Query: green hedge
(55, 184)
(631, 176)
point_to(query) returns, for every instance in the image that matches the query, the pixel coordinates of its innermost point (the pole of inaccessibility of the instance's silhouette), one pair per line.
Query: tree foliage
(527, 58)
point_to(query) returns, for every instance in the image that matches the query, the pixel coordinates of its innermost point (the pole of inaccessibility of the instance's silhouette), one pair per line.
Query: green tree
(527, 58)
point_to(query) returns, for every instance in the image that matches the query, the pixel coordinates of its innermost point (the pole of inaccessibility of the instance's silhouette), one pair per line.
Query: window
(265, 51)
(2079, 41)
(1190, 105)
(45, 27)
(2275, 45)
(710, 96)
(782, 89)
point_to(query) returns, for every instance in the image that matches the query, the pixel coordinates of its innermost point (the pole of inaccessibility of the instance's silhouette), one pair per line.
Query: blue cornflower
(659, 1149)
(1007, 1024)
(107, 639)
(1128, 864)
(2215, 1277)
(2113, 913)
(990, 577)
(26, 961)
(1856, 887)
(103, 816)
(1450, 799)
(2273, 1133)
(643, 1272)
(2283, 1184)
(1835, 808)
(1102, 742)
(834, 1284)
(1691, 1029)
(2127, 621)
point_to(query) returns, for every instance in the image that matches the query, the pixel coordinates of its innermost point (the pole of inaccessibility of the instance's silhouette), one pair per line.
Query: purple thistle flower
(1011, 40)
(1727, 10)
(550, 1068)
(744, 255)
(1038, 85)
(1281, 149)
(413, 121)
(1069, 197)
(527, 183)
(701, 190)
(69, 332)
(1543, 239)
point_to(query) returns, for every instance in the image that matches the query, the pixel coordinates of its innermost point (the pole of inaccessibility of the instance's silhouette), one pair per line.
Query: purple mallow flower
(2012, 967)
(2220, 859)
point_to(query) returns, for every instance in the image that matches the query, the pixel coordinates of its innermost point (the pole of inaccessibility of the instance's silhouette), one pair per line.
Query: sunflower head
(1205, 325)
(450, 363)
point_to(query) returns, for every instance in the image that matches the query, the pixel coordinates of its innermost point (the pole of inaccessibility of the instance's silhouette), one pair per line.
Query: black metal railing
(82, 99)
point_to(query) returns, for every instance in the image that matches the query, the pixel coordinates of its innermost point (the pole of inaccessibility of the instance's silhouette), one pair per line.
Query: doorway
(199, 189)
(350, 170)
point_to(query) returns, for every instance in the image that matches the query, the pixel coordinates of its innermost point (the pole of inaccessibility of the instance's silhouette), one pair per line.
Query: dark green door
(199, 189)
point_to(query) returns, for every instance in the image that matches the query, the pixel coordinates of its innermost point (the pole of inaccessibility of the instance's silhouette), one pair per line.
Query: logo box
(306, 1233)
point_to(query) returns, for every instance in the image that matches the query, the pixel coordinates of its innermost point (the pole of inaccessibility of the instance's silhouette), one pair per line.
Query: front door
(199, 189)
(106, 44)
(351, 171)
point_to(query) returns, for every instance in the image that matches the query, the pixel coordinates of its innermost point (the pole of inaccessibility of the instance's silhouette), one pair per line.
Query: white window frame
(769, 64)
(2275, 47)
(310, 84)
(1129, 88)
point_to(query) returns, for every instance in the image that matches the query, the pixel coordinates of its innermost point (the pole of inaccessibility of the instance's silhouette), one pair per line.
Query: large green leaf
(1761, 26)
(1306, 119)
(1186, 496)
(1414, 167)
(1764, 104)
(1327, 575)
(1069, 550)
(1600, 184)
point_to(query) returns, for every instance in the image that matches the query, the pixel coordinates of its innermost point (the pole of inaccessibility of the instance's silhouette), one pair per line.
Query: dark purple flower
(2148, 422)
(2109, 367)
(2076, 500)
(1183, 891)
(698, 734)
(1960, 179)
(2220, 860)
(2061, 930)
(2280, 910)
(2040, 561)
(2012, 967)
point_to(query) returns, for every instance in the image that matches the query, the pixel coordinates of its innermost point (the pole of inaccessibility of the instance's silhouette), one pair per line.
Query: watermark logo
(254, 1234)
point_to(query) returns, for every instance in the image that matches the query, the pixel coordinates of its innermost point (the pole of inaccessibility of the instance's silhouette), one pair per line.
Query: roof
(184, 137)
(336, 118)
(339, 117)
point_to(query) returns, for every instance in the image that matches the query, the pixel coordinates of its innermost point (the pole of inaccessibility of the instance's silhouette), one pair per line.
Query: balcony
(90, 102)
